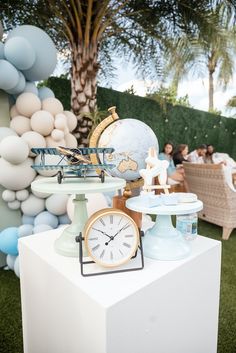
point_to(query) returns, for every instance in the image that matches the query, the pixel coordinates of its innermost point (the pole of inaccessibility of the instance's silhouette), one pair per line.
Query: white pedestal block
(168, 307)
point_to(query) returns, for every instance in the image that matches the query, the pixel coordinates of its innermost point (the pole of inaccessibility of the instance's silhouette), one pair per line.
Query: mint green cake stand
(65, 244)
(163, 241)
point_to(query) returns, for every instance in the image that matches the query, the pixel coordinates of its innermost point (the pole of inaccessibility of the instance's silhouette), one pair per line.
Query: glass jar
(187, 225)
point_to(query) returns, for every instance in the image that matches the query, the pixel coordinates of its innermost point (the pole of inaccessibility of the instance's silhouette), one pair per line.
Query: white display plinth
(168, 307)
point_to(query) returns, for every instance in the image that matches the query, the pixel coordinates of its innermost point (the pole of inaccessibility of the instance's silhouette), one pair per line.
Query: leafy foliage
(165, 95)
(207, 52)
(137, 29)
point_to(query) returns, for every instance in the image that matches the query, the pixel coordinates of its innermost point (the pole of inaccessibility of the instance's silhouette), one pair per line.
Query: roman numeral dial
(111, 237)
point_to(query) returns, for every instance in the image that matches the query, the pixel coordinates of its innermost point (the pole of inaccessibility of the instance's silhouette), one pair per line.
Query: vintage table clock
(111, 239)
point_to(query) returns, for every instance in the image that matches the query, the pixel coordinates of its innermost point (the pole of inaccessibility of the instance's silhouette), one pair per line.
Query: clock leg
(65, 244)
(164, 242)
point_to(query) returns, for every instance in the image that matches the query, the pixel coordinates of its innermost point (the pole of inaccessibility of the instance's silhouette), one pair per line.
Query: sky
(197, 89)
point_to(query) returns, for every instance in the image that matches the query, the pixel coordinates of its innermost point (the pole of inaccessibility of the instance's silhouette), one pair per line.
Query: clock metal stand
(83, 263)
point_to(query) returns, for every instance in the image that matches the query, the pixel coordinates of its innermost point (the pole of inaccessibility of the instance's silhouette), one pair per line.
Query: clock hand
(112, 238)
(101, 231)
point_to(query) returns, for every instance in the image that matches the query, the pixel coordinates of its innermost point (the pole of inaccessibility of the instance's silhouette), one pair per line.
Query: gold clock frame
(93, 219)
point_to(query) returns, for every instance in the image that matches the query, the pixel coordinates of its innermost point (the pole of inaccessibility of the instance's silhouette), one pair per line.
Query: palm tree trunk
(211, 91)
(84, 88)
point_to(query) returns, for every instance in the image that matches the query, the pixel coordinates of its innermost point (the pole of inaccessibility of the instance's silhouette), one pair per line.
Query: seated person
(209, 153)
(180, 155)
(197, 155)
(167, 154)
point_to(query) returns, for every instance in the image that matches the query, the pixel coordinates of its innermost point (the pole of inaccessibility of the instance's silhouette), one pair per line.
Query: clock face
(111, 237)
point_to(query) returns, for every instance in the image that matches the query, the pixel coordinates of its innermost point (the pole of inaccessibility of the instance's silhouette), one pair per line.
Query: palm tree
(90, 30)
(212, 52)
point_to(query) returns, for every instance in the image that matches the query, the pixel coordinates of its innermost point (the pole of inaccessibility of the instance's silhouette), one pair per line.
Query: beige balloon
(42, 122)
(20, 124)
(33, 139)
(57, 135)
(71, 141)
(52, 143)
(27, 104)
(60, 123)
(14, 149)
(16, 177)
(41, 195)
(71, 120)
(52, 105)
(13, 111)
(32, 206)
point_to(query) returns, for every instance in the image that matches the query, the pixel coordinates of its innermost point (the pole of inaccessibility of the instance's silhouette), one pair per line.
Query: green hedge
(176, 123)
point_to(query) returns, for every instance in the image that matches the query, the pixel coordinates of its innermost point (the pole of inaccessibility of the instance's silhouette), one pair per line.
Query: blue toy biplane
(78, 162)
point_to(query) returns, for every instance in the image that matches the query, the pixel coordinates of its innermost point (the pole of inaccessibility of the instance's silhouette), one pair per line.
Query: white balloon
(16, 177)
(32, 206)
(33, 139)
(57, 135)
(6, 131)
(14, 205)
(17, 267)
(96, 202)
(27, 104)
(37, 193)
(20, 124)
(10, 260)
(57, 204)
(52, 105)
(71, 120)
(42, 122)
(22, 195)
(14, 149)
(8, 195)
(71, 141)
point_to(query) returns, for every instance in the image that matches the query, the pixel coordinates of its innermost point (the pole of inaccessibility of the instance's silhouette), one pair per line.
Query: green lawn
(10, 312)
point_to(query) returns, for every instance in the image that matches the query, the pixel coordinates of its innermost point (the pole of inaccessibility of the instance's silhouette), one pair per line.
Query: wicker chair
(208, 182)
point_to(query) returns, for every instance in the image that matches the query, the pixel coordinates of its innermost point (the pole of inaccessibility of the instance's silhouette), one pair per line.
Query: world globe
(131, 140)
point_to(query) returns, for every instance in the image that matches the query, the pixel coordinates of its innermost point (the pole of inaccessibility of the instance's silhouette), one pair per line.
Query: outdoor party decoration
(38, 119)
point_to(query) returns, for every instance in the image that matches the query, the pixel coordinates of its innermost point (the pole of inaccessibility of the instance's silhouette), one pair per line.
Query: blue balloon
(20, 85)
(45, 92)
(46, 217)
(9, 76)
(46, 54)
(40, 228)
(24, 230)
(64, 219)
(19, 52)
(27, 219)
(30, 87)
(9, 241)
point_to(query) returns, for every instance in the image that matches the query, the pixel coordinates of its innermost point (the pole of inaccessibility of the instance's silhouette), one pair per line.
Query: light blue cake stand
(65, 244)
(163, 241)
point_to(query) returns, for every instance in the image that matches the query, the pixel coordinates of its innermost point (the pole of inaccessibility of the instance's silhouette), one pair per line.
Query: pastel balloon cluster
(34, 123)
(23, 60)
